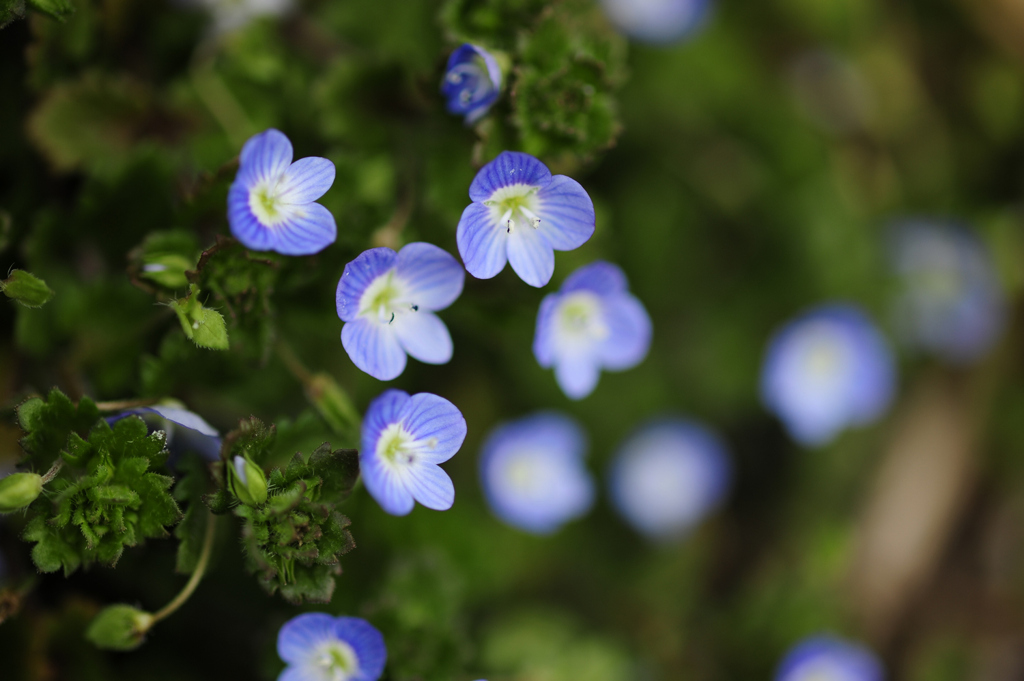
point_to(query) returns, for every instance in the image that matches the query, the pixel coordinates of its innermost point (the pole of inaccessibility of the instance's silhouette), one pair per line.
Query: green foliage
(58, 9)
(241, 284)
(49, 423)
(568, 70)
(204, 326)
(293, 541)
(106, 497)
(26, 289)
(162, 259)
(189, 491)
(119, 627)
(10, 10)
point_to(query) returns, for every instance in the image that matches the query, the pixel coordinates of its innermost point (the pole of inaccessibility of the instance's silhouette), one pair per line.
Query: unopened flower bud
(247, 481)
(18, 490)
(119, 627)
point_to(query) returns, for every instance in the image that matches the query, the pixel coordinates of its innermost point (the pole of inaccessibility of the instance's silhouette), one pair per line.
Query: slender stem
(54, 470)
(197, 574)
(294, 364)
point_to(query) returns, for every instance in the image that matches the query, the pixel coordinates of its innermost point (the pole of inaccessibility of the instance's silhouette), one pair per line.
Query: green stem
(197, 574)
(54, 470)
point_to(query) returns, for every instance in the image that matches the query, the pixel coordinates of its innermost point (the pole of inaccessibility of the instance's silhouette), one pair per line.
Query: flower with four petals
(387, 301)
(828, 369)
(533, 473)
(404, 438)
(522, 214)
(271, 202)
(591, 323)
(472, 82)
(318, 647)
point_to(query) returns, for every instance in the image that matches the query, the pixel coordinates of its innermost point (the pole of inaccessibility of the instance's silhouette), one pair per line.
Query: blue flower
(403, 440)
(668, 476)
(951, 302)
(318, 647)
(271, 202)
(826, 370)
(472, 82)
(522, 214)
(592, 323)
(826, 658)
(387, 301)
(657, 21)
(186, 431)
(533, 473)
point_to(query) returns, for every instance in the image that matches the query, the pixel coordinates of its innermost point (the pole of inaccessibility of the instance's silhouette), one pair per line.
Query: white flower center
(386, 298)
(515, 205)
(397, 446)
(336, 661)
(580, 317)
(266, 205)
(825, 354)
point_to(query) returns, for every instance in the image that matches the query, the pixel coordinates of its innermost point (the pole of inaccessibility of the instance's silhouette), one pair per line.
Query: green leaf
(10, 10)
(204, 326)
(27, 289)
(49, 424)
(58, 9)
(119, 627)
(51, 551)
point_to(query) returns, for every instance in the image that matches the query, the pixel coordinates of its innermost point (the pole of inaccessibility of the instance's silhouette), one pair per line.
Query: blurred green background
(738, 178)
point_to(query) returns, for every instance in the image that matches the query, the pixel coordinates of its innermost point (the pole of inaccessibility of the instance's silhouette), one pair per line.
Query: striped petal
(629, 332)
(384, 484)
(374, 348)
(306, 180)
(303, 633)
(601, 277)
(424, 336)
(264, 157)
(577, 376)
(309, 229)
(566, 213)
(482, 244)
(244, 225)
(429, 485)
(431, 418)
(433, 277)
(358, 275)
(510, 167)
(531, 256)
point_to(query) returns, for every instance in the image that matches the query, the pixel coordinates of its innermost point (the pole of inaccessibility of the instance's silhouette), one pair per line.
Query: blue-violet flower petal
(319, 647)
(521, 214)
(828, 657)
(271, 202)
(591, 323)
(472, 82)
(404, 438)
(533, 472)
(388, 300)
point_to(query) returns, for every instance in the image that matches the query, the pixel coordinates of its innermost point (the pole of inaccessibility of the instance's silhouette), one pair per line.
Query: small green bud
(18, 490)
(119, 627)
(167, 269)
(27, 289)
(248, 481)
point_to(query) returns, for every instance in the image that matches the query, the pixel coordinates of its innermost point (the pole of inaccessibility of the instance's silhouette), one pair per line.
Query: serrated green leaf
(49, 424)
(51, 551)
(26, 288)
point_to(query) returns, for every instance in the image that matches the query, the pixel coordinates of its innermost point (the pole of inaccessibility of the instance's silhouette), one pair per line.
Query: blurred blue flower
(533, 473)
(271, 202)
(826, 658)
(387, 301)
(186, 431)
(657, 21)
(522, 214)
(318, 647)
(591, 323)
(403, 440)
(950, 301)
(668, 476)
(828, 369)
(472, 82)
